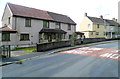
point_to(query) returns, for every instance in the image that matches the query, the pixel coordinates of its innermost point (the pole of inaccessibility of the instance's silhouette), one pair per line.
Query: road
(65, 65)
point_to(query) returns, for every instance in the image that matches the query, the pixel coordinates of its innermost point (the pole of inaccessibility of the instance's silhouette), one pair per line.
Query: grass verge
(28, 49)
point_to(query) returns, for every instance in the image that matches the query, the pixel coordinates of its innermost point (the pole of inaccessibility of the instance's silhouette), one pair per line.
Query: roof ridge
(25, 6)
(57, 13)
(93, 17)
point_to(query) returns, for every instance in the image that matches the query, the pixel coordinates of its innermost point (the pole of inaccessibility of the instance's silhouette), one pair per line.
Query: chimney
(114, 19)
(85, 14)
(101, 17)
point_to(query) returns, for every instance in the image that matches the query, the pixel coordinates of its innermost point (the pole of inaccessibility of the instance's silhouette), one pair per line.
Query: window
(8, 20)
(105, 27)
(24, 37)
(45, 36)
(63, 36)
(53, 36)
(98, 26)
(28, 22)
(46, 24)
(57, 25)
(91, 33)
(97, 33)
(104, 33)
(69, 27)
(88, 25)
(5, 36)
(70, 36)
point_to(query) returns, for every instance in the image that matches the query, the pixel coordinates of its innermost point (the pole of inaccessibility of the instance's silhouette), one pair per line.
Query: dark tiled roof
(61, 18)
(19, 10)
(96, 20)
(79, 33)
(101, 21)
(112, 23)
(48, 30)
(23, 11)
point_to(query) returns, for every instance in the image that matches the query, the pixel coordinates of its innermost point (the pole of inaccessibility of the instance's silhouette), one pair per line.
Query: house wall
(18, 23)
(69, 32)
(7, 13)
(100, 30)
(33, 31)
(13, 40)
(86, 34)
(87, 26)
(84, 25)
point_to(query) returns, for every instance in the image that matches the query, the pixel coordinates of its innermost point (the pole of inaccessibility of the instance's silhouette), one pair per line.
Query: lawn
(27, 49)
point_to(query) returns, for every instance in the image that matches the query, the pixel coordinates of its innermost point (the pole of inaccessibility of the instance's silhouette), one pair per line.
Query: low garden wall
(53, 45)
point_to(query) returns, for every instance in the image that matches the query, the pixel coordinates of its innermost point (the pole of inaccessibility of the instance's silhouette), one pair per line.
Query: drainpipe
(111, 34)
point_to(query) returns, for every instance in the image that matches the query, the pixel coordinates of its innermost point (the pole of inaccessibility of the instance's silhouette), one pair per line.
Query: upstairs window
(88, 25)
(5, 36)
(27, 22)
(24, 37)
(58, 25)
(98, 26)
(46, 24)
(8, 20)
(69, 27)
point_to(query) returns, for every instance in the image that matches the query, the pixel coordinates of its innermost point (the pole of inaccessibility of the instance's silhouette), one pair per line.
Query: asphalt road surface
(66, 65)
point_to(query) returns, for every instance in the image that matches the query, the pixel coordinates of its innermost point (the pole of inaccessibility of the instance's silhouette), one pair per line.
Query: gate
(5, 51)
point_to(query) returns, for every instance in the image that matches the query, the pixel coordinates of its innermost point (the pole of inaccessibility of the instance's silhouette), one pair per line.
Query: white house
(25, 25)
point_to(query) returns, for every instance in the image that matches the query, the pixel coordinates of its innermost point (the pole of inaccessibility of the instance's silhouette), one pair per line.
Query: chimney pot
(85, 14)
(101, 17)
(113, 19)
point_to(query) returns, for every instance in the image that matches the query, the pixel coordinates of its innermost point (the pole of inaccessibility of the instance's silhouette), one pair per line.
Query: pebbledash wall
(54, 45)
(33, 31)
(18, 23)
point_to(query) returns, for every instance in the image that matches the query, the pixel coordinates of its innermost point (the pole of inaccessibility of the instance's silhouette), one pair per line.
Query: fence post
(3, 50)
(9, 51)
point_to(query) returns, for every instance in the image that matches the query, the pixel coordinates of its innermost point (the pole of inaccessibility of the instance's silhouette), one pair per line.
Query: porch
(51, 35)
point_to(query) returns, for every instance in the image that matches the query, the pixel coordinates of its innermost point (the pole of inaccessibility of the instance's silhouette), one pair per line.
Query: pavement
(23, 55)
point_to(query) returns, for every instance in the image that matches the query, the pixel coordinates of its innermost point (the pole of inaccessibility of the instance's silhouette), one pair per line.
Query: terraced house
(94, 27)
(25, 25)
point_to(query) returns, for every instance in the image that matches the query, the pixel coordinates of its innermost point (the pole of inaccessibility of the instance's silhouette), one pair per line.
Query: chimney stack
(101, 17)
(85, 14)
(114, 19)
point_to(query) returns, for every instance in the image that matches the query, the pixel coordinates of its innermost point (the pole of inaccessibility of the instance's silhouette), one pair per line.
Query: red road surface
(105, 53)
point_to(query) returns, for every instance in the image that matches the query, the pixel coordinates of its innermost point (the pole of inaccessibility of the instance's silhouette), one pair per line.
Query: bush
(73, 38)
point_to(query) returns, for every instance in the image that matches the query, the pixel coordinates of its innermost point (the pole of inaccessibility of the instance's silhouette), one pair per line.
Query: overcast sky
(73, 8)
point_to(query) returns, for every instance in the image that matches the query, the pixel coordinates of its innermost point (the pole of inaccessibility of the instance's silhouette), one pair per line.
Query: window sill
(28, 26)
(5, 40)
(24, 40)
